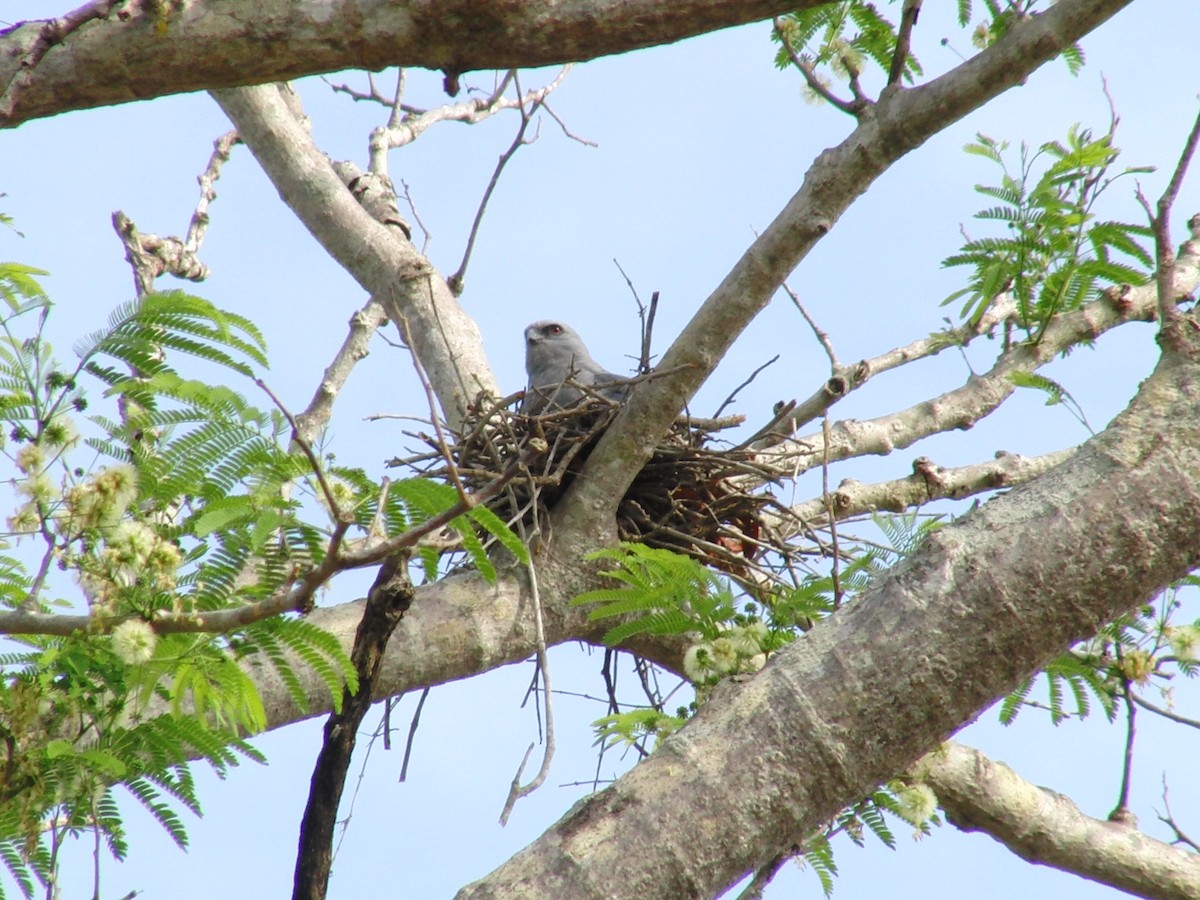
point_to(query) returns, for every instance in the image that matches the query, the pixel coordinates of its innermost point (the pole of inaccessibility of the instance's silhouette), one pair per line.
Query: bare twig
(1165, 713)
(455, 281)
(1169, 821)
(517, 790)
(822, 337)
(152, 255)
(408, 198)
(373, 95)
(908, 18)
(411, 126)
(412, 733)
(222, 148)
(567, 131)
(363, 325)
(647, 317)
(733, 394)
(835, 567)
(1121, 812)
(1168, 307)
(398, 110)
(435, 419)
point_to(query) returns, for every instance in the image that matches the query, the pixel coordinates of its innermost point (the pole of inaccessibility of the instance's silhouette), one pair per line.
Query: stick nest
(692, 496)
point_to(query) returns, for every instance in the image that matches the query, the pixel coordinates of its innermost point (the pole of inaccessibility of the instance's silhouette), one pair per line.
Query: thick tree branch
(1045, 827)
(963, 406)
(928, 482)
(380, 258)
(897, 124)
(869, 690)
(144, 50)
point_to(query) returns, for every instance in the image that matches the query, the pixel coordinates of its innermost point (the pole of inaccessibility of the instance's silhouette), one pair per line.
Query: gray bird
(554, 354)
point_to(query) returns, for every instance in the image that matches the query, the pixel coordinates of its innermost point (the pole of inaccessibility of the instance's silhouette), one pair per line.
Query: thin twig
(302, 442)
(733, 395)
(567, 131)
(442, 443)
(517, 790)
(1165, 713)
(416, 215)
(835, 573)
(822, 337)
(222, 149)
(374, 95)
(1168, 308)
(398, 111)
(908, 18)
(455, 281)
(648, 334)
(1121, 812)
(412, 733)
(1169, 821)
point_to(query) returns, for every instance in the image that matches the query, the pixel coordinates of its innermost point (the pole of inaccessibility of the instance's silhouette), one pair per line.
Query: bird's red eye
(553, 329)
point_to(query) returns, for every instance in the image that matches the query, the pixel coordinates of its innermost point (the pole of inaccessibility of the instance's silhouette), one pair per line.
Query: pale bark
(899, 122)
(144, 50)
(863, 695)
(380, 258)
(866, 692)
(1045, 827)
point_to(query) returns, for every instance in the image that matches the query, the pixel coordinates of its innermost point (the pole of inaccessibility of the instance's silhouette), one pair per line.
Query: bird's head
(549, 332)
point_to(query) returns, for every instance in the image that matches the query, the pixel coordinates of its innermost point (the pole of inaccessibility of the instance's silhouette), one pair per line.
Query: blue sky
(700, 143)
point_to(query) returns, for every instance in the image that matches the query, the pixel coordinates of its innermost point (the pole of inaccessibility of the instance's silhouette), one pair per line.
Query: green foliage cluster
(1056, 252)
(78, 712)
(841, 38)
(188, 500)
(1138, 652)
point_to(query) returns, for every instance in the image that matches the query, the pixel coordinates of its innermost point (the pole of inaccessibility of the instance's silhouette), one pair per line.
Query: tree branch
(381, 259)
(1045, 827)
(1093, 537)
(199, 45)
(981, 394)
(898, 123)
(928, 482)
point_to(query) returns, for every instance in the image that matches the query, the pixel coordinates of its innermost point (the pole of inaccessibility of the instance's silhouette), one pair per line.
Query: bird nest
(693, 496)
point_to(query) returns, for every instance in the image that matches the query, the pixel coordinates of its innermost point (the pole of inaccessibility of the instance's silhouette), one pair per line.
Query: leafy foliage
(200, 504)
(664, 593)
(842, 38)
(1138, 651)
(638, 726)
(1056, 252)
(86, 713)
(1055, 393)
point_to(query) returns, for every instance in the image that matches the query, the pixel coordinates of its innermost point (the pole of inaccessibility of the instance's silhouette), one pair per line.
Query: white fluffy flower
(916, 803)
(1184, 641)
(133, 641)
